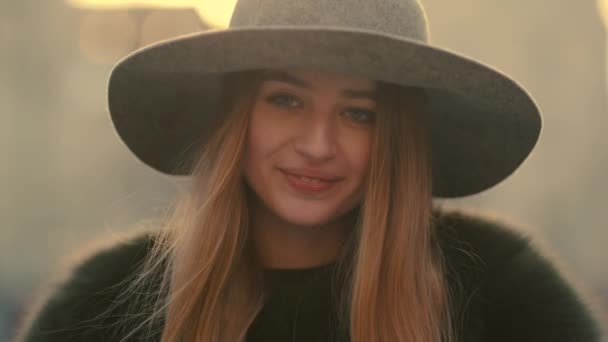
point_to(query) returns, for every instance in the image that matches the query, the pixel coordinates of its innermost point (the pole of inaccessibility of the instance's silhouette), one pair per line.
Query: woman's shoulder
(505, 287)
(492, 236)
(80, 301)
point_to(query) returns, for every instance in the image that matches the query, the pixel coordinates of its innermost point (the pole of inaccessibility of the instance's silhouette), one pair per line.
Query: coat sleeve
(80, 307)
(530, 300)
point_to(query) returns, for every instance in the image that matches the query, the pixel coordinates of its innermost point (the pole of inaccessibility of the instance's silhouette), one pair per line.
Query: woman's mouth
(306, 184)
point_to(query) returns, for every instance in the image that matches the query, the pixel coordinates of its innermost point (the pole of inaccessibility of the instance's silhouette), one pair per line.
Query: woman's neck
(280, 244)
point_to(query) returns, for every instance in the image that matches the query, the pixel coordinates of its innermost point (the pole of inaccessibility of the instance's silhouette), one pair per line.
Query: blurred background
(67, 179)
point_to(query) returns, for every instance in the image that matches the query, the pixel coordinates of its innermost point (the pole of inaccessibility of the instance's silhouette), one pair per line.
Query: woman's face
(316, 124)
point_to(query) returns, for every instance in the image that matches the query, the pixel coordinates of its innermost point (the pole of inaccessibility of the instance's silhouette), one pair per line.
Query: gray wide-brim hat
(483, 124)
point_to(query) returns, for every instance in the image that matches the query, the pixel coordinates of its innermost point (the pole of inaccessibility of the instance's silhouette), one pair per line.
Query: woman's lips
(307, 185)
(312, 173)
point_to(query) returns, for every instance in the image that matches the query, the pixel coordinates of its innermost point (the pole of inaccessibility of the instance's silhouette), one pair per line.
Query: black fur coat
(504, 289)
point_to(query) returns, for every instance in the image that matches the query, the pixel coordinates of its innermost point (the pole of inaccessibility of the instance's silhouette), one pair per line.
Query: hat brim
(483, 124)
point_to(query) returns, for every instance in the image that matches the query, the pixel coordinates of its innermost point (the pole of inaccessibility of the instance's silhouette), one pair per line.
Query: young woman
(316, 135)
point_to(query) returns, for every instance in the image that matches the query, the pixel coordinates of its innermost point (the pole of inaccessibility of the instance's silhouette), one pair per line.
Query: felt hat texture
(483, 124)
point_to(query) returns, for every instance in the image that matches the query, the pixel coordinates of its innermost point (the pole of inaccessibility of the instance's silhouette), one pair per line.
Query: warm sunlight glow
(603, 8)
(215, 12)
(104, 38)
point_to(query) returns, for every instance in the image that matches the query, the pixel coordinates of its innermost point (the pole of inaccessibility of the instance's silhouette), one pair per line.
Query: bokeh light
(160, 25)
(603, 9)
(215, 12)
(107, 36)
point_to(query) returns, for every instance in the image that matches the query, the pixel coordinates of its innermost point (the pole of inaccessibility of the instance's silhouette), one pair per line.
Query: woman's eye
(284, 100)
(361, 115)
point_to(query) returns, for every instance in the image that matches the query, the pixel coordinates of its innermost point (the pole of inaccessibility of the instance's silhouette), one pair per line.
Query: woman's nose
(317, 139)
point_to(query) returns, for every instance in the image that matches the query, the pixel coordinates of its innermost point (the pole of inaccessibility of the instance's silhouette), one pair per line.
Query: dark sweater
(503, 289)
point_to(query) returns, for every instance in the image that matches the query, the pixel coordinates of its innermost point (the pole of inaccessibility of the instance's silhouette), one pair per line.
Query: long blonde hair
(393, 286)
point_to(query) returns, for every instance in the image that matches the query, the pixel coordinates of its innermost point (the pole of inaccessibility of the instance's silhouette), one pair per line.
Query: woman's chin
(306, 218)
(308, 213)
(307, 221)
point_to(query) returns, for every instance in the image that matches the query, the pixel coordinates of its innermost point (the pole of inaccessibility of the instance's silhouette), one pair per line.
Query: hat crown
(405, 18)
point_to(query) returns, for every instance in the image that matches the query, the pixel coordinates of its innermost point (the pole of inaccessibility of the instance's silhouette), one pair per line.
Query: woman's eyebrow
(282, 76)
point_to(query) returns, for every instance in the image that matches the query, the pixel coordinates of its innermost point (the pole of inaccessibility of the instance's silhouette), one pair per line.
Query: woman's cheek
(357, 146)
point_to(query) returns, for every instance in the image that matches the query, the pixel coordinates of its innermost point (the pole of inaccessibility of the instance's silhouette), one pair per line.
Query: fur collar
(502, 287)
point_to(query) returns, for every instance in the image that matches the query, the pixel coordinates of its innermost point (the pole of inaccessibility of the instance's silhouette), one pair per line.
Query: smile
(308, 185)
(310, 180)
